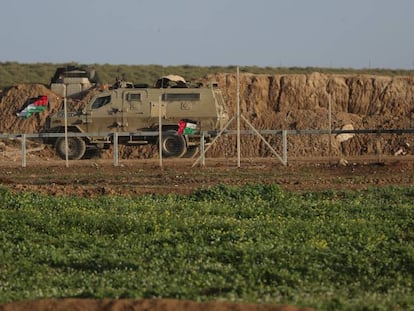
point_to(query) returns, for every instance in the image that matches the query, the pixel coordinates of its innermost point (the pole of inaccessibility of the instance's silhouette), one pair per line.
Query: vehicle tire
(76, 148)
(191, 152)
(173, 145)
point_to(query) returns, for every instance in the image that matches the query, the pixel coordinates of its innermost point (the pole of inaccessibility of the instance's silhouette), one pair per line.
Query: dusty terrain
(268, 102)
(135, 177)
(140, 305)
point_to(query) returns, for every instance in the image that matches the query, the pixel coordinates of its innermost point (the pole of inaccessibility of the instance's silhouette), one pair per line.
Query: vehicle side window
(101, 101)
(133, 97)
(181, 97)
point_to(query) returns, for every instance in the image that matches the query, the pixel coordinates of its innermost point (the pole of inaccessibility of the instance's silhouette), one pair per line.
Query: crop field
(330, 250)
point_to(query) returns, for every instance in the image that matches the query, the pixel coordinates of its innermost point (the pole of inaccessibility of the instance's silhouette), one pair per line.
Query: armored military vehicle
(134, 111)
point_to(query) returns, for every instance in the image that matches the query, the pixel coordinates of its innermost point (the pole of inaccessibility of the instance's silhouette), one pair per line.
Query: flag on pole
(33, 105)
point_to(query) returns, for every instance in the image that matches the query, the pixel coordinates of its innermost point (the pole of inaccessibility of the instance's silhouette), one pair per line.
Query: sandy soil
(140, 305)
(134, 177)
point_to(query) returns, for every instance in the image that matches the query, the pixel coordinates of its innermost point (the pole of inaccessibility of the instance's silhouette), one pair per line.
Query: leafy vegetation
(12, 73)
(330, 250)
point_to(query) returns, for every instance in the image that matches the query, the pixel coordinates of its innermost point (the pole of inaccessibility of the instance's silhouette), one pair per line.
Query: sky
(274, 33)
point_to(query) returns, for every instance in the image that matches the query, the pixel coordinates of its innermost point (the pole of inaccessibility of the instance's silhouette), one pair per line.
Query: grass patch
(330, 250)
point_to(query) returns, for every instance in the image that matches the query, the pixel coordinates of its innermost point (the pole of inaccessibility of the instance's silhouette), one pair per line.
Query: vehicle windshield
(101, 101)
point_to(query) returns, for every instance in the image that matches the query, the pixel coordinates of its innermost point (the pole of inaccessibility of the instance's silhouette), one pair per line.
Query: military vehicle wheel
(76, 148)
(191, 152)
(173, 145)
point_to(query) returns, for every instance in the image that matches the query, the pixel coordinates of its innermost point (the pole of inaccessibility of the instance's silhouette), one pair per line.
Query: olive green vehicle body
(138, 111)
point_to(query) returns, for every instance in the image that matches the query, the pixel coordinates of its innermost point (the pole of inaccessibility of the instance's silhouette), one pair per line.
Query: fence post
(284, 142)
(203, 158)
(23, 150)
(116, 158)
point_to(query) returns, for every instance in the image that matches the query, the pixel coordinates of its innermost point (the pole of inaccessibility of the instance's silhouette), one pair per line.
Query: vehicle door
(136, 110)
(158, 107)
(100, 114)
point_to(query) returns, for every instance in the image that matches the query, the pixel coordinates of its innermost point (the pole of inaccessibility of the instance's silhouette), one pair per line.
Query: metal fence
(281, 154)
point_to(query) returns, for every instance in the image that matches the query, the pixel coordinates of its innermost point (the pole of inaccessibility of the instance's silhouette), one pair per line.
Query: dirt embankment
(279, 102)
(302, 102)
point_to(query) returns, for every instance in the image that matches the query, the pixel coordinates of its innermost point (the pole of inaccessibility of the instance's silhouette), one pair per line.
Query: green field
(328, 250)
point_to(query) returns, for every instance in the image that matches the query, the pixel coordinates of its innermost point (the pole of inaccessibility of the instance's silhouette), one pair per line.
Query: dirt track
(135, 177)
(140, 305)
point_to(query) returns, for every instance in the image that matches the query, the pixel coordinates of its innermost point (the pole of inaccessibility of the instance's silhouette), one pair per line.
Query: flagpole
(66, 128)
(238, 117)
(160, 131)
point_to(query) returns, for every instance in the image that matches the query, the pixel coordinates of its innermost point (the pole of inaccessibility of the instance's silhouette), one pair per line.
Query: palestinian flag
(33, 105)
(186, 128)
